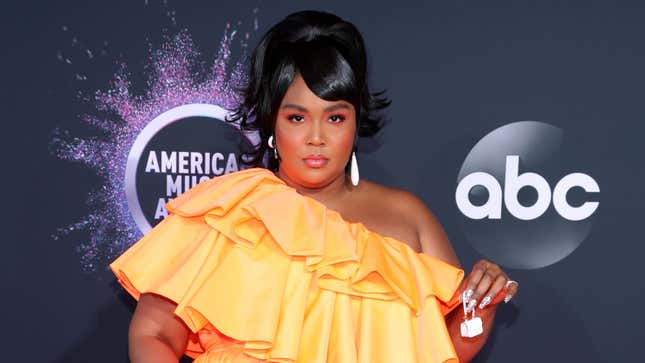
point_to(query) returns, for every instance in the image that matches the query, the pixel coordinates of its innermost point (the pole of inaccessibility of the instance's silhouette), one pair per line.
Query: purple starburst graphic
(175, 79)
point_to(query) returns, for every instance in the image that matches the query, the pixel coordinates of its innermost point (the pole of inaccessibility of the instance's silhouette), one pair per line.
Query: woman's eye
(337, 118)
(295, 118)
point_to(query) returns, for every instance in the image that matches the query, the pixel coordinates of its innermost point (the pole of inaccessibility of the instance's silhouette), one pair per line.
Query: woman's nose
(316, 133)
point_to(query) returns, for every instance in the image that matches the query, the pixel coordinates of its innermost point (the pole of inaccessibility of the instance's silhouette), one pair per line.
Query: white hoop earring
(354, 170)
(272, 146)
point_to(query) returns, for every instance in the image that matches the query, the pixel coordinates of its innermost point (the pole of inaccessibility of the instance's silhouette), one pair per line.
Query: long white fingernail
(485, 302)
(471, 304)
(468, 294)
(508, 298)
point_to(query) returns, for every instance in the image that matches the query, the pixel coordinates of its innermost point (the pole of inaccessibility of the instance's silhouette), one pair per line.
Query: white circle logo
(514, 216)
(176, 150)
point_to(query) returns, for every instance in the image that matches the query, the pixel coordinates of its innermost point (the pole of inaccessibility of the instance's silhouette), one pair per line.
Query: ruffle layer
(286, 279)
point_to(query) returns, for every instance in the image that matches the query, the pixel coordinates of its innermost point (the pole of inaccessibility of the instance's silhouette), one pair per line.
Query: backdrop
(519, 123)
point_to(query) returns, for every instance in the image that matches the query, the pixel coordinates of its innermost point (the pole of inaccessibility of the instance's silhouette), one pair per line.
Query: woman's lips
(315, 161)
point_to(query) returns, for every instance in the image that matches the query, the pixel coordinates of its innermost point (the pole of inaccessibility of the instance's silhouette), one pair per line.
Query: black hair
(329, 53)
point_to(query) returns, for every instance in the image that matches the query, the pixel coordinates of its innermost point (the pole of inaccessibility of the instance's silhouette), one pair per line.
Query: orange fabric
(260, 272)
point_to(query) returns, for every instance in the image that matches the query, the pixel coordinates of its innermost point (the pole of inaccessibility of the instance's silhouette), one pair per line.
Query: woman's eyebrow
(327, 109)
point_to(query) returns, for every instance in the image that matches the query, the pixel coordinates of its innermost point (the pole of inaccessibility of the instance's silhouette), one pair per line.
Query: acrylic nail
(485, 302)
(471, 305)
(469, 293)
(508, 298)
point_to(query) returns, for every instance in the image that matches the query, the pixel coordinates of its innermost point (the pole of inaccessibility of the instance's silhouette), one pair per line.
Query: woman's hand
(487, 285)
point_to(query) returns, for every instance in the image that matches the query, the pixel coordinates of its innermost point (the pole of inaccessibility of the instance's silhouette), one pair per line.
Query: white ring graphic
(148, 132)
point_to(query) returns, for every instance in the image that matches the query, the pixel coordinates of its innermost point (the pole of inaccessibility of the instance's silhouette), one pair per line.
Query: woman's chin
(314, 177)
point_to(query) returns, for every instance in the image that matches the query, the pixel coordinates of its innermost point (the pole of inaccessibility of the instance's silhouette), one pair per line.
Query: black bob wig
(329, 53)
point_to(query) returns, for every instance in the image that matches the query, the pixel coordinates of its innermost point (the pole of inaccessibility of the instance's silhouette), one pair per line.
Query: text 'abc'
(513, 182)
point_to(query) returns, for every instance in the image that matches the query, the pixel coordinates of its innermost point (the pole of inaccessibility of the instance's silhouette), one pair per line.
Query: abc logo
(513, 182)
(524, 198)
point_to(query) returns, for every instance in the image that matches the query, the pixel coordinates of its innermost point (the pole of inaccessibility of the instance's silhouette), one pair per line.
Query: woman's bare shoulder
(392, 198)
(388, 210)
(406, 208)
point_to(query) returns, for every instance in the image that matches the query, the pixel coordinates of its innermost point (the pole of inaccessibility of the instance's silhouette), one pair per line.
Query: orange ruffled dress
(261, 272)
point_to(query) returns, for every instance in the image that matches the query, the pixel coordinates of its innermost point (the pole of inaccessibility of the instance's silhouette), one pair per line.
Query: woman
(301, 262)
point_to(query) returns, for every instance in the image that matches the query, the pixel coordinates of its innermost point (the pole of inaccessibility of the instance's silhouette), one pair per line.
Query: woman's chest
(384, 221)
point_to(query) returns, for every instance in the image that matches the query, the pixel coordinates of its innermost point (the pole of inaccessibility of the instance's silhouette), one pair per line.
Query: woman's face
(314, 137)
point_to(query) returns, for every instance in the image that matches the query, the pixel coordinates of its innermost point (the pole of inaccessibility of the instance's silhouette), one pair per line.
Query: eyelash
(341, 118)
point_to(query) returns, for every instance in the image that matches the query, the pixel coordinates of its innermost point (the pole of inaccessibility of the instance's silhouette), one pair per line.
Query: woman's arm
(156, 334)
(433, 241)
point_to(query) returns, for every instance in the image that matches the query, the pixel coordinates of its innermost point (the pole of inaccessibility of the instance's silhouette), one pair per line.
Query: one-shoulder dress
(260, 272)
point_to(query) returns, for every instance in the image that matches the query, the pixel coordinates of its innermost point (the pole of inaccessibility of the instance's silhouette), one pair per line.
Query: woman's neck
(330, 194)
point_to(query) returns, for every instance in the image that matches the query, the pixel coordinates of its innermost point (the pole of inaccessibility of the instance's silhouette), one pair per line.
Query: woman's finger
(493, 295)
(473, 280)
(487, 285)
(511, 290)
(506, 294)
(490, 275)
(484, 275)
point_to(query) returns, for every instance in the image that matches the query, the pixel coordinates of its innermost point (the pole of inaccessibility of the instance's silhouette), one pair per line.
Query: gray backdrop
(455, 70)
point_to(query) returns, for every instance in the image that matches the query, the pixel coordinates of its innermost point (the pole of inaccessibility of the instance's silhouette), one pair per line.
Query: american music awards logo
(522, 199)
(153, 145)
(178, 149)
